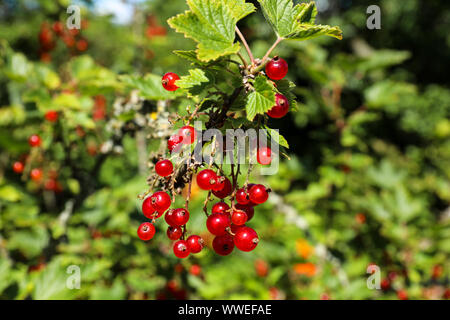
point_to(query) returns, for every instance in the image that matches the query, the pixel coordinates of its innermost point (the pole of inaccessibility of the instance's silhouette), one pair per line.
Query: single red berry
(217, 223)
(51, 116)
(385, 284)
(58, 27)
(82, 45)
(225, 191)
(402, 294)
(187, 134)
(18, 167)
(169, 217)
(146, 231)
(223, 245)
(34, 140)
(206, 179)
(248, 209)
(264, 155)
(258, 194)
(281, 107)
(180, 249)
(168, 81)
(164, 168)
(195, 270)
(195, 243)
(239, 217)
(277, 68)
(147, 209)
(234, 228)
(36, 174)
(246, 239)
(261, 268)
(242, 197)
(174, 233)
(220, 207)
(180, 217)
(174, 143)
(161, 201)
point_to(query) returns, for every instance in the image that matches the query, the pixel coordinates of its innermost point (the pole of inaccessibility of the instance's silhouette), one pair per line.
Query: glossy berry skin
(34, 141)
(239, 217)
(164, 168)
(223, 245)
(258, 194)
(248, 209)
(174, 143)
(36, 174)
(264, 155)
(195, 243)
(168, 81)
(51, 116)
(277, 68)
(281, 107)
(187, 134)
(234, 228)
(225, 191)
(246, 239)
(180, 249)
(147, 209)
(18, 167)
(168, 217)
(220, 207)
(242, 197)
(180, 217)
(174, 233)
(146, 231)
(217, 223)
(206, 179)
(160, 201)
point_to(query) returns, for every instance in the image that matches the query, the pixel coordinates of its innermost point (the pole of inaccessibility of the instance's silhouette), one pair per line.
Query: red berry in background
(402, 294)
(217, 223)
(51, 116)
(164, 168)
(223, 245)
(220, 207)
(36, 174)
(174, 143)
(34, 140)
(168, 81)
(74, 31)
(225, 191)
(68, 40)
(58, 27)
(437, 271)
(146, 231)
(18, 167)
(174, 233)
(281, 107)
(242, 197)
(246, 239)
(187, 134)
(195, 243)
(277, 68)
(264, 155)
(161, 201)
(261, 268)
(195, 270)
(239, 217)
(180, 217)
(206, 179)
(385, 284)
(180, 249)
(248, 209)
(258, 194)
(82, 45)
(147, 209)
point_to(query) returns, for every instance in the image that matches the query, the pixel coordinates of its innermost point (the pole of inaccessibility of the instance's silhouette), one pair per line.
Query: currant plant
(229, 91)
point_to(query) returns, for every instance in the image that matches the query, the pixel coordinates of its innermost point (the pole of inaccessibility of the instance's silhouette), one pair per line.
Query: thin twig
(244, 42)
(266, 56)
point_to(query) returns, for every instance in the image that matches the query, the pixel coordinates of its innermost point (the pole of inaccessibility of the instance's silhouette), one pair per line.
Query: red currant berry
(264, 155)
(277, 68)
(174, 233)
(281, 107)
(146, 231)
(174, 143)
(187, 134)
(51, 116)
(180, 249)
(180, 217)
(195, 270)
(168, 81)
(218, 223)
(258, 194)
(248, 209)
(223, 245)
(164, 168)
(220, 184)
(206, 179)
(246, 239)
(161, 201)
(147, 209)
(36, 174)
(18, 167)
(195, 243)
(234, 228)
(239, 217)
(242, 197)
(220, 207)
(34, 140)
(169, 217)
(225, 191)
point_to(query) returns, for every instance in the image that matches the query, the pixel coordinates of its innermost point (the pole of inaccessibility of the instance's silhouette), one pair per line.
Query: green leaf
(296, 22)
(212, 24)
(195, 78)
(277, 137)
(262, 99)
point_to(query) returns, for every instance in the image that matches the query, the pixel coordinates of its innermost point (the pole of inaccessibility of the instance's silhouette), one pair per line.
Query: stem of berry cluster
(247, 47)
(266, 56)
